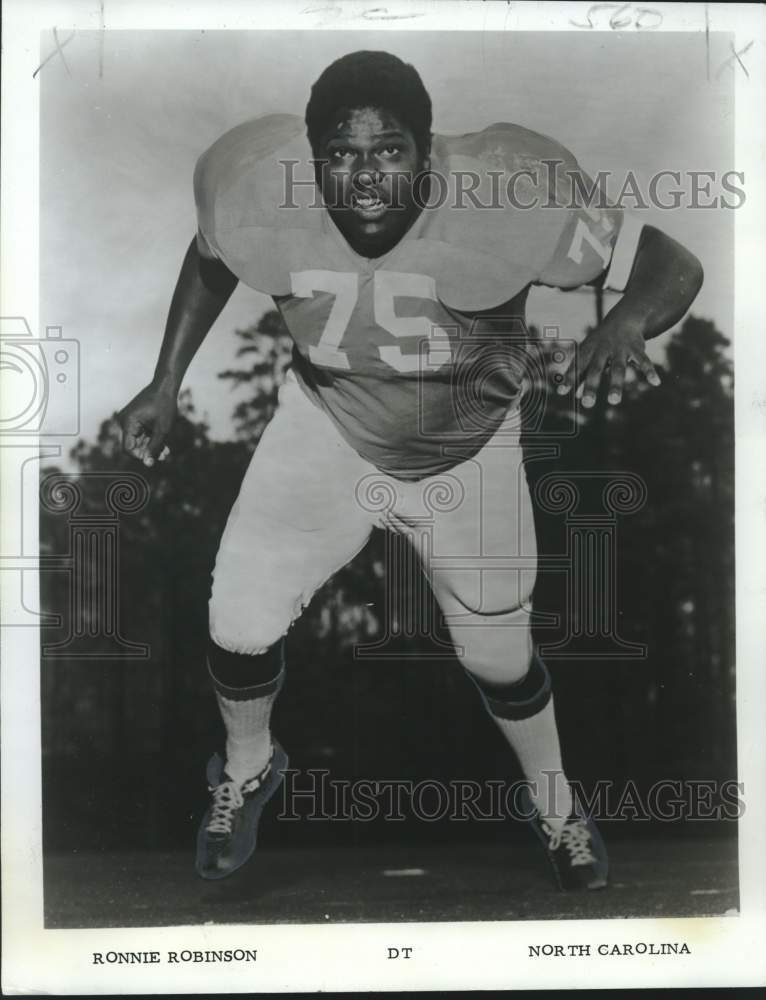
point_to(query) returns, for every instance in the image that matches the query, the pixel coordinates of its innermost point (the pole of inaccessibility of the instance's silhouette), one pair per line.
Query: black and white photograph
(383, 496)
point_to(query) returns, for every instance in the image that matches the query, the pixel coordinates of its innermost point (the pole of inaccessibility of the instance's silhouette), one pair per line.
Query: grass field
(650, 877)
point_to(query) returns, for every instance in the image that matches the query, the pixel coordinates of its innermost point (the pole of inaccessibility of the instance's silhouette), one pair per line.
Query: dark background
(125, 740)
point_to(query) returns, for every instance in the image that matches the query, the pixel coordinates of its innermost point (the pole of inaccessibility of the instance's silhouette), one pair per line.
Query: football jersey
(391, 347)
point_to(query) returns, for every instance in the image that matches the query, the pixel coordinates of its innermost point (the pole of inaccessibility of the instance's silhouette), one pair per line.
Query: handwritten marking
(615, 23)
(650, 11)
(334, 11)
(102, 29)
(330, 12)
(591, 10)
(59, 50)
(735, 56)
(382, 14)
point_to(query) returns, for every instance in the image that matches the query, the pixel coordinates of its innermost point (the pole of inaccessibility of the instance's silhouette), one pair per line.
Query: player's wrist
(166, 384)
(626, 324)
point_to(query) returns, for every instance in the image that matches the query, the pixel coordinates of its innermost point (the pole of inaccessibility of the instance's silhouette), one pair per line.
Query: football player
(397, 260)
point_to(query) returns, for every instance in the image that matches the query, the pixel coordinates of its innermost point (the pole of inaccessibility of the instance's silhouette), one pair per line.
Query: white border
(346, 957)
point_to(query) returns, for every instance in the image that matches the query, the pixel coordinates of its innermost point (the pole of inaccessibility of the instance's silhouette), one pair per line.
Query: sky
(118, 150)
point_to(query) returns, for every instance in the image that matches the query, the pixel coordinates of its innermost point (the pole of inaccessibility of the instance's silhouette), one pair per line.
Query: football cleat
(576, 851)
(229, 829)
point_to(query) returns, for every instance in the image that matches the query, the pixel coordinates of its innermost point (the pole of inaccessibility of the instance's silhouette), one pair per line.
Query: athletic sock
(246, 688)
(524, 713)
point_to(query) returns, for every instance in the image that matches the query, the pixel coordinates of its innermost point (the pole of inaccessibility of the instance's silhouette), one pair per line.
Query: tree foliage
(413, 714)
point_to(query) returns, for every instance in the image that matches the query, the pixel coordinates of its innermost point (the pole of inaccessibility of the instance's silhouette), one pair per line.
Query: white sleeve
(203, 245)
(624, 253)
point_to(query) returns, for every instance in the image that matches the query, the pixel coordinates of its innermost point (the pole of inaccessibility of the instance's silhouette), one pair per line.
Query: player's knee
(246, 626)
(237, 635)
(492, 639)
(485, 600)
(496, 649)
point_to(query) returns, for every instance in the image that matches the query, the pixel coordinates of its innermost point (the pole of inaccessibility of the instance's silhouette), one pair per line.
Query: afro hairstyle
(370, 79)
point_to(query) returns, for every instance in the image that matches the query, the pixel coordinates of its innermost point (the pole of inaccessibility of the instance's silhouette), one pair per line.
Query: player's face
(367, 181)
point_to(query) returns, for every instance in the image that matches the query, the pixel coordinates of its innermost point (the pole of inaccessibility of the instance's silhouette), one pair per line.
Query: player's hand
(146, 422)
(604, 356)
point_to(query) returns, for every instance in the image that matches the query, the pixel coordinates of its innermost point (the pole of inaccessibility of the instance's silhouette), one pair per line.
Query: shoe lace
(575, 837)
(229, 796)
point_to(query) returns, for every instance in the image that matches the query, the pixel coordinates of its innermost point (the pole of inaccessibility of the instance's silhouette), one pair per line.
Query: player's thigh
(483, 551)
(474, 531)
(262, 587)
(480, 555)
(302, 472)
(295, 522)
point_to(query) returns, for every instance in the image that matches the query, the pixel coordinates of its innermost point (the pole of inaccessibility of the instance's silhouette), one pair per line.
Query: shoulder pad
(495, 225)
(240, 187)
(497, 237)
(505, 146)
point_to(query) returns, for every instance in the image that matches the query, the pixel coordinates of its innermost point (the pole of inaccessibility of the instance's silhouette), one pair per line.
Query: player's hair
(370, 79)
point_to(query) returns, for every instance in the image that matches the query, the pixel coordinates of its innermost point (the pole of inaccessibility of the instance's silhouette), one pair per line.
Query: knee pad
(520, 699)
(239, 671)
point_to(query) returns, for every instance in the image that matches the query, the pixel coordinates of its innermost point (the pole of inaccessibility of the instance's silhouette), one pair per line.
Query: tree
(267, 346)
(106, 725)
(675, 567)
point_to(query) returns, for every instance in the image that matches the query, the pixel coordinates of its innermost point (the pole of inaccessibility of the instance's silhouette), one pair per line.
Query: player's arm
(203, 288)
(664, 280)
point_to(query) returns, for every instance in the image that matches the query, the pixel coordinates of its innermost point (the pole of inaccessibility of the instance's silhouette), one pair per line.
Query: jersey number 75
(387, 286)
